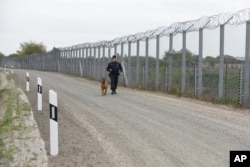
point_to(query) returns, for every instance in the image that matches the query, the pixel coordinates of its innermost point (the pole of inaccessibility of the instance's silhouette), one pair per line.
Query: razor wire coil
(204, 22)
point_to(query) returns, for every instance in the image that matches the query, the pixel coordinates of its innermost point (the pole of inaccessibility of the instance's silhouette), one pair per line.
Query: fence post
(58, 64)
(65, 58)
(98, 62)
(53, 123)
(109, 53)
(75, 65)
(65, 61)
(137, 62)
(80, 67)
(166, 80)
(247, 66)
(146, 64)
(87, 61)
(82, 60)
(43, 65)
(74, 61)
(59, 54)
(68, 60)
(200, 62)
(124, 73)
(122, 56)
(90, 62)
(62, 60)
(94, 69)
(129, 63)
(71, 61)
(115, 50)
(183, 73)
(157, 69)
(143, 77)
(221, 67)
(103, 61)
(170, 63)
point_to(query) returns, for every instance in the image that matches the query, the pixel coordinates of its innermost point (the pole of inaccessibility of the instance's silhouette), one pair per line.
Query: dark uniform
(114, 68)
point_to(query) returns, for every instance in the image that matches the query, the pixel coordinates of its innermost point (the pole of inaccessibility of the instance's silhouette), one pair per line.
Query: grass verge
(12, 120)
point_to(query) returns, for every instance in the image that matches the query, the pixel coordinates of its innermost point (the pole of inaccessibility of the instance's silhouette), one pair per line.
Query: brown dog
(104, 86)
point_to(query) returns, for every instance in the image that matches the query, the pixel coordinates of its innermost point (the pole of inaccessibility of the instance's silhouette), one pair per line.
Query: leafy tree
(28, 48)
(13, 55)
(230, 60)
(177, 58)
(1, 55)
(211, 61)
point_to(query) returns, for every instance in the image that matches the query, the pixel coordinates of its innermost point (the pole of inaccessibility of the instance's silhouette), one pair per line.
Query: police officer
(114, 69)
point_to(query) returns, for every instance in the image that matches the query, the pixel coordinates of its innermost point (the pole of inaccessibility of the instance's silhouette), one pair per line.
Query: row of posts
(53, 105)
(75, 61)
(170, 65)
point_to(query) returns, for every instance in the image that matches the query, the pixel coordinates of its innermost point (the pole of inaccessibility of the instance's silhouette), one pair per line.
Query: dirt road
(135, 128)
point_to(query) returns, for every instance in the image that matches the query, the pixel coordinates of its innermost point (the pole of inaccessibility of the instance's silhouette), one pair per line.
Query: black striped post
(27, 82)
(39, 94)
(53, 123)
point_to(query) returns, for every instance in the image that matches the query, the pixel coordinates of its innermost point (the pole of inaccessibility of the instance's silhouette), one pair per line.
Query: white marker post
(53, 123)
(27, 82)
(12, 71)
(39, 94)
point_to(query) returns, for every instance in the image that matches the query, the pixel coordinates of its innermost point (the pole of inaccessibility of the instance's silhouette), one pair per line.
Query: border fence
(224, 79)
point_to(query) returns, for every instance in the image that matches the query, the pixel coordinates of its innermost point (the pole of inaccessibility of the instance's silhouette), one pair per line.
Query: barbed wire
(204, 22)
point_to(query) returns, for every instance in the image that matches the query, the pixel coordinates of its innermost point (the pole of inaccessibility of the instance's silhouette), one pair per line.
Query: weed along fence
(207, 58)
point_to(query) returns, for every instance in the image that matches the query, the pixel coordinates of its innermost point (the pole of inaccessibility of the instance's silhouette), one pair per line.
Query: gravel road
(135, 128)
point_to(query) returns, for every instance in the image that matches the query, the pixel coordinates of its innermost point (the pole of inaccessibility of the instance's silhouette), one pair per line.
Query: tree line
(28, 48)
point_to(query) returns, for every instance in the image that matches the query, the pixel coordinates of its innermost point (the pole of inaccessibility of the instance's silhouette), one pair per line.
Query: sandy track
(135, 128)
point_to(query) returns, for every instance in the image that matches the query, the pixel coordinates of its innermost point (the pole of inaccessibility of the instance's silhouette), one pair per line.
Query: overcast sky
(63, 23)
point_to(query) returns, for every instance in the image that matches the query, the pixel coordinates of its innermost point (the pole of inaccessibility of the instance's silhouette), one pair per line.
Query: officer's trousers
(114, 81)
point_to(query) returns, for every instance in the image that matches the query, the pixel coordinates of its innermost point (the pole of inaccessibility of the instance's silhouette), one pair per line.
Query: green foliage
(28, 48)
(175, 90)
(12, 120)
(14, 55)
(231, 60)
(8, 77)
(1, 55)
(191, 60)
(142, 60)
(211, 61)
(5, 125)
(139, 87)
